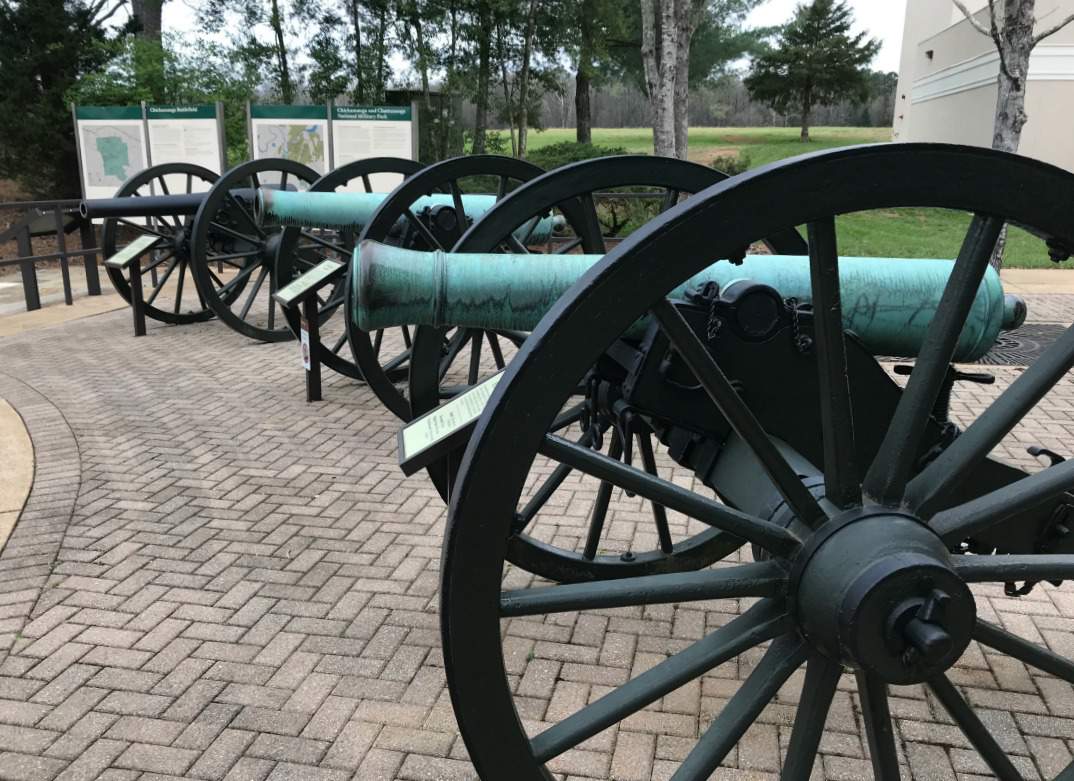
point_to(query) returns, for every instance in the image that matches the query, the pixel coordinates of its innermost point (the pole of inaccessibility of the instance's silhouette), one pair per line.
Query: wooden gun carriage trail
(870, 515)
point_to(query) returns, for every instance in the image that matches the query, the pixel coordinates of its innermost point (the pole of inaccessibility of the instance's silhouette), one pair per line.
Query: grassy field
(915, 233)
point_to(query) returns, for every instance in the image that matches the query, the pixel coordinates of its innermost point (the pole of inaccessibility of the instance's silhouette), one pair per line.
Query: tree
(712, 35)
(45, 47)
(1014, 38)
(816, 61)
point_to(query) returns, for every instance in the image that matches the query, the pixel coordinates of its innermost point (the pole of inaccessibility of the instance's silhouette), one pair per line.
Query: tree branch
(1052, 30)
(972, 20)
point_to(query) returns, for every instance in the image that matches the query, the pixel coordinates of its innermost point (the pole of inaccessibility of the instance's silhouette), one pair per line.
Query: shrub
(732, 164)
(556, 155)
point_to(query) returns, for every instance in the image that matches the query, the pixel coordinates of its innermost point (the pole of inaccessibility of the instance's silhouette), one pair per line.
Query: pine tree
(816, 61)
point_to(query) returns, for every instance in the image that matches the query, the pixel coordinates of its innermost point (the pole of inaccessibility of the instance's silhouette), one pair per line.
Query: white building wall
(948, 76)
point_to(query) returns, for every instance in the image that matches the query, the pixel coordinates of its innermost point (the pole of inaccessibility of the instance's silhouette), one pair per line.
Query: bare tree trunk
(685, 28)
(807, 109)
(382, 38)
(524, 78)
(149, 14)
(582, 107)
(1016, 36)
(481, 100)
(659, 50)
(287, 88)
(356, 23)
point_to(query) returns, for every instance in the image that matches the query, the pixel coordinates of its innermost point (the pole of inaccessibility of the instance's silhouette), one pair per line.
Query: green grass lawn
(908, 233)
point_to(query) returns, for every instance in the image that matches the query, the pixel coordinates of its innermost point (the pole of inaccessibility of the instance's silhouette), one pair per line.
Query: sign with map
(111, 147)
(359, 132)
(298, 133)
(186, 134)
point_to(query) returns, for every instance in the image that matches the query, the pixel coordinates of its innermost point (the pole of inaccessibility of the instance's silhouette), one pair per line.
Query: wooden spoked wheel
(430, 210)
(233, 257)
(535, 546)
(866, 572)
(172, 295)
(300, 249)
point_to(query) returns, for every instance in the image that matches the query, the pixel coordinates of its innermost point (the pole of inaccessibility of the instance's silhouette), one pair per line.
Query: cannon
(733, 415)
(889, 302)
(206, 223)
(353, 211)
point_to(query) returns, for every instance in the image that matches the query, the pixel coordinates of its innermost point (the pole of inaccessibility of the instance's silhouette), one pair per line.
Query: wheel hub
(876, 591)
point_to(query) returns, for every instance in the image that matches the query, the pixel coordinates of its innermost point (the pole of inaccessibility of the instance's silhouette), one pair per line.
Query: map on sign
(112, 153)
(303, 143)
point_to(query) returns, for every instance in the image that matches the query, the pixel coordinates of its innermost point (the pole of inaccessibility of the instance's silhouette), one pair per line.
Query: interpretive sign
(360, 132)
(298, 133)
(186, 134)
(324, 272)
(132, 251)
(111, 147)
(436, 433)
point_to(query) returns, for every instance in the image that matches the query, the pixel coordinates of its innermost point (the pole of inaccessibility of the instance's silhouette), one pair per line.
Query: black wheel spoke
(230, 257)
(160, 282)
(378, 340)
(143, 228)
(219, 282)
(342, 340)
(246, 216)
(1002, 568)
(958, 523)
(768, 535)
(239, 277)
(423, 230)
(982, 740)
(253, 293)
(763, 579)
(591, 222)
(455, 345)
(785, 655)
(406, 336)
(841, 477)
(501, 189)
(229, 231)
(548, 487)
(601, 502)
(494, 347)
(671, 198)
(757, 625)
(885, 482)
(821, 679)
(928, 490)
(879, 731)
(476, 340)
(738, 415)
(1023, 650)
(460, 209)
(158, 261)
(572, 244)
(326, 244)
(397, 361)
(660, 516)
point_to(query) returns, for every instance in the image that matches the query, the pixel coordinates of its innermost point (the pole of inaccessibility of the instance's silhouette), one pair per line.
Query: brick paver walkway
(213, 580)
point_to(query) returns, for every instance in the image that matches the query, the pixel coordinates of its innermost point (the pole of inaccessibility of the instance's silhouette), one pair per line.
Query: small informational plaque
(294, 291)
(135, 249)
(360, 132)
(304, 341)
(428, 438)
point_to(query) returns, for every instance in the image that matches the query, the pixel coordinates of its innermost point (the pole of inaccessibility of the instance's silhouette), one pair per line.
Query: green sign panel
(322, 273)
(288, 112)
(108, 112)
(204, 111)
(375, 113)
(135, 249)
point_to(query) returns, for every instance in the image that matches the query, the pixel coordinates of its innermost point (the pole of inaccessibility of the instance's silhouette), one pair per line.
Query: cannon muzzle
(355, 210)
(887, 302)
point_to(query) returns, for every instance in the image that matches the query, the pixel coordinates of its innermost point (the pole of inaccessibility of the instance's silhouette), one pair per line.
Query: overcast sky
(880, 18)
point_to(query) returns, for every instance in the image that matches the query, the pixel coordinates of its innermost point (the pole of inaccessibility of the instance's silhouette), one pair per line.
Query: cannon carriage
(870, 512)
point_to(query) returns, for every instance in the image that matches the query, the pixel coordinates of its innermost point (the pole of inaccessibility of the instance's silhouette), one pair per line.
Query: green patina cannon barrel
(355, 210)
(887, 302)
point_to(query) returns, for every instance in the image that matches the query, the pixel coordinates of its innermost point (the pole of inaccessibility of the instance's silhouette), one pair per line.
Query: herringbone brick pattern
(214, 580)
